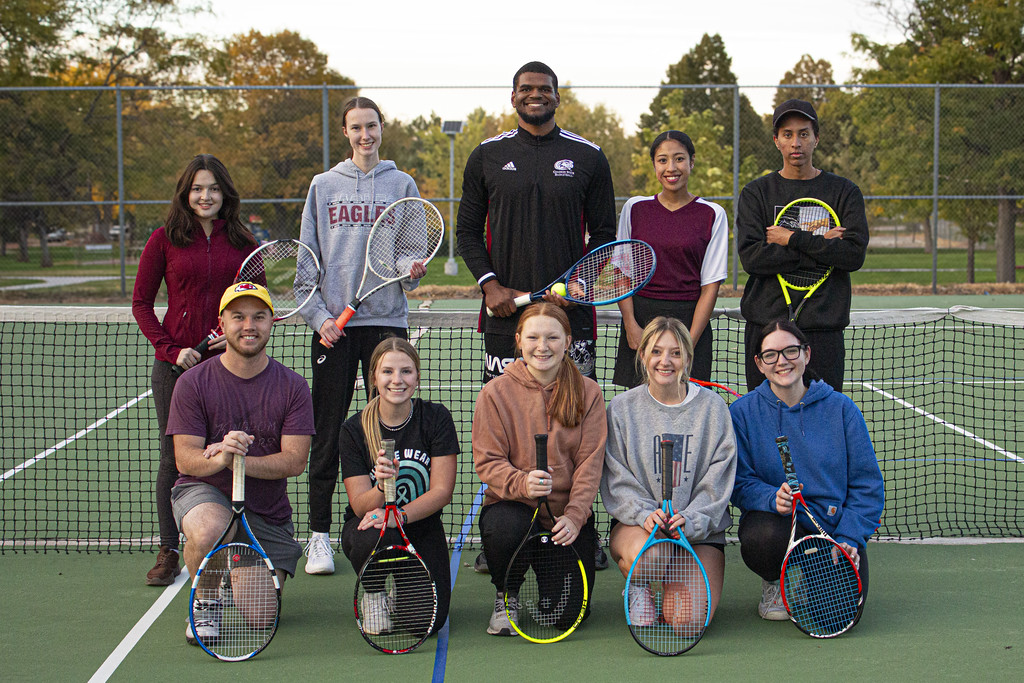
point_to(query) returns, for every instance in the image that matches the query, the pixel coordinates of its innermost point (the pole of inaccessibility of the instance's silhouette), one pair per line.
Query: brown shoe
(166, 568)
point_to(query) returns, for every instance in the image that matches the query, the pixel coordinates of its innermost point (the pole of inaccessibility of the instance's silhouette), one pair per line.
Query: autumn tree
(272, 139)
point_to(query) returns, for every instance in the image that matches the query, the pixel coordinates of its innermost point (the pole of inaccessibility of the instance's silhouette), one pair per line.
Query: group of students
(536, 183)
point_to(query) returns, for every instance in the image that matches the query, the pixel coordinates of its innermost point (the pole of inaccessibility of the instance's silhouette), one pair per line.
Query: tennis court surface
(942, 392)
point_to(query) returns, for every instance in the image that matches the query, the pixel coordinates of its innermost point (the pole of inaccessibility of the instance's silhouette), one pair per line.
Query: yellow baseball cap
(240, 289)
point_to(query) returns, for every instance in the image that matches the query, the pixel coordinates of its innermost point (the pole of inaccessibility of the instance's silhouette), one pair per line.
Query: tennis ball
(559, 289)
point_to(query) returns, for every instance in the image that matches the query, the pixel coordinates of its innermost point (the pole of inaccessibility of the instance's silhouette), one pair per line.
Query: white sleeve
(715, 267)
(625, 230)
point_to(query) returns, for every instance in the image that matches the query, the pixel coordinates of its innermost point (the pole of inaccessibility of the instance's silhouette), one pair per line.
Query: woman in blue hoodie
(341, 207)
(832, 454)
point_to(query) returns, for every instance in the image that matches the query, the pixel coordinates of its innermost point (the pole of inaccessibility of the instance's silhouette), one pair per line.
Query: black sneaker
(600, 559)
(480, 564)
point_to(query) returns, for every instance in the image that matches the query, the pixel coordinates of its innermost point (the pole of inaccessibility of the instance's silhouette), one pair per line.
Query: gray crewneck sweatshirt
(704, 459)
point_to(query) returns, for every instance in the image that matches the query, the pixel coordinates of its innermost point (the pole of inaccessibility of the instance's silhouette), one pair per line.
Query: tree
(271, 140)
(806, 72)
(967, 41)
(32, 34)
(708, 63)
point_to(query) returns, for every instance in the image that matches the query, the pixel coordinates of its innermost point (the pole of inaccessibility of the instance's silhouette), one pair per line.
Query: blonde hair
(567, 398)
(653, 331)
(370, 417)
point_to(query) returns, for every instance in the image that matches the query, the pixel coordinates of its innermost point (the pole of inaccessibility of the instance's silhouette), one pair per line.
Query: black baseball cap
(794, 107)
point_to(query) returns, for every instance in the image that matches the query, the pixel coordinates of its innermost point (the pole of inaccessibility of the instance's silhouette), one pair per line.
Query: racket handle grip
(667, 446)
(541, 442)
(519, 301)
(341, 321)
(200, 348)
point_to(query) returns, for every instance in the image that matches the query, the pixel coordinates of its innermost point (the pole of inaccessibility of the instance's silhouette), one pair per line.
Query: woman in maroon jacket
(197, 253)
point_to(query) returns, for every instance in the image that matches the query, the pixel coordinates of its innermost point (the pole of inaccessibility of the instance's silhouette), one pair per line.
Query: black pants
(427, 537)
(334, 383)
(162, 380)
(764, 537)
(644, 311)
(503, 526)
(828, 356)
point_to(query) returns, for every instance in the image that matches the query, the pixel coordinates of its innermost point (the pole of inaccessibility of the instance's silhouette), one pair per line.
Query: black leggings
(162, 380)
(502, 527)
(764, 537)
(429, 539)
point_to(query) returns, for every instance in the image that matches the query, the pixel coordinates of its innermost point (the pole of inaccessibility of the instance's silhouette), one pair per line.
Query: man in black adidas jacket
(530, 199)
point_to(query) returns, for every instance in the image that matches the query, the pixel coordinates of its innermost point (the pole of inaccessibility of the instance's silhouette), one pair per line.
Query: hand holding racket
(612, 272)
(668, 596)
(288, 269)
(236, 597)
(820, 584)
(395, 599)
(817, 217)
(546, 587)
(405, 236)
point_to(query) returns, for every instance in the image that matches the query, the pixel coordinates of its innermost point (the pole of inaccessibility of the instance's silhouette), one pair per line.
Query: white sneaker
(376, 611)
(500, 624)
(771, 606)
(207, 617)
(642, 611)
(320, 554)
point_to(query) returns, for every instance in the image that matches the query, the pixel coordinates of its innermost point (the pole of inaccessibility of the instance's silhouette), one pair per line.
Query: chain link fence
(94, 167)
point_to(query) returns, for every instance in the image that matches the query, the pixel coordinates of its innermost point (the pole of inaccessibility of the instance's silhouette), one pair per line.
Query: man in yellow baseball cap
(240, 289)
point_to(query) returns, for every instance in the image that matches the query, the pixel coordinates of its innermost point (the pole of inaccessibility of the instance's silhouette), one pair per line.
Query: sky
(414, 58)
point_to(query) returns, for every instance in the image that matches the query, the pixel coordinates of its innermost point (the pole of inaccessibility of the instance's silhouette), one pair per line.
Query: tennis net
(942, 392)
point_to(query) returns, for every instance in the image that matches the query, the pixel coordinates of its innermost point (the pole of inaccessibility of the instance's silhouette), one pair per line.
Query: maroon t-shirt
(680, 239)
(209, 401)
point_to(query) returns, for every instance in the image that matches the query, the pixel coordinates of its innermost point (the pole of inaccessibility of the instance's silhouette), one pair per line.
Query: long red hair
(567, 399)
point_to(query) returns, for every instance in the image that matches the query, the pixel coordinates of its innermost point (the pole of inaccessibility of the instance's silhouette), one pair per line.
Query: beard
(536, 119)
(247, 351)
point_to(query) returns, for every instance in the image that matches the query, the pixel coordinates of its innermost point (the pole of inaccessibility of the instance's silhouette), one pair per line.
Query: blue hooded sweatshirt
(831, 451)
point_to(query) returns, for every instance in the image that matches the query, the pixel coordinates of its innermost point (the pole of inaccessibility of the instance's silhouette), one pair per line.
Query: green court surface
(942, 394)
(933, 613)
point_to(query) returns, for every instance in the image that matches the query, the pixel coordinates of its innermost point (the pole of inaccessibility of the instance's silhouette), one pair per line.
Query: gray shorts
(278, 541)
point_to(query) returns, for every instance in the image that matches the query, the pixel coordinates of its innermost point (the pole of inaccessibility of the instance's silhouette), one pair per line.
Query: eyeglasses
(771, 356)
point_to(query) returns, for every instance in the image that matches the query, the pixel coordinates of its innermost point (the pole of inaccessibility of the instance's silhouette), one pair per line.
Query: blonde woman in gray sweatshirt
(668, 406)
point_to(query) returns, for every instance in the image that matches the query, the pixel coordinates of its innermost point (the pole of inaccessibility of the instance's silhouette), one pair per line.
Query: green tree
(708, 63)
(967, 41)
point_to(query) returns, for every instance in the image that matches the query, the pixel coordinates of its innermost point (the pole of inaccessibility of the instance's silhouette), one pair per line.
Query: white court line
(78, 435)
(111, 663)
(944, 423)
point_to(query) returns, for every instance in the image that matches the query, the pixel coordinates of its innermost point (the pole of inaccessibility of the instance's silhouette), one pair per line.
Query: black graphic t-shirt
(429, 434)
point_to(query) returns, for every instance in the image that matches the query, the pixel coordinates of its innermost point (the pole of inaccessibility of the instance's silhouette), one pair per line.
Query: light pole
(451, 129)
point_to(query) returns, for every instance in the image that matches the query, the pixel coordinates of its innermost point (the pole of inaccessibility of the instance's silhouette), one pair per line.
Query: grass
(882, 266)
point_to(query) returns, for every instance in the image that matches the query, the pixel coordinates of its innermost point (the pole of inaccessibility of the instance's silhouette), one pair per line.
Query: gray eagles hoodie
(341, 207)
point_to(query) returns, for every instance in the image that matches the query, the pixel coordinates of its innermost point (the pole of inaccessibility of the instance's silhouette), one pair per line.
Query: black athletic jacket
(760, 202)
(527, 205)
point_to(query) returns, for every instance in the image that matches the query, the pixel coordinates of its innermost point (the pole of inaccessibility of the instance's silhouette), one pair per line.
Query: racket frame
(784, 283)
(565, 277)
(265, 248)
(537, 531)
(677, 538)
(782, 443)
(237, 515)
(361, 296)
(391, 510)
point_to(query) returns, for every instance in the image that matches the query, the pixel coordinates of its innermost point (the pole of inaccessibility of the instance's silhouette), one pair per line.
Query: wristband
(405, 516)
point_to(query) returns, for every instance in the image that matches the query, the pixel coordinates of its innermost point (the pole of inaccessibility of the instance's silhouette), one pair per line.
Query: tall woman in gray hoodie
(341, 207)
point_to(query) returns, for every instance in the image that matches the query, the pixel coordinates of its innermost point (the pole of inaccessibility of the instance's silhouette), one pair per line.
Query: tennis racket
(408, 231)
(820, 583)
(546, 585)
(611, 272)
(395, 599)
(288, 269)
(817, 217)
(667, 596)
(236, 597)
